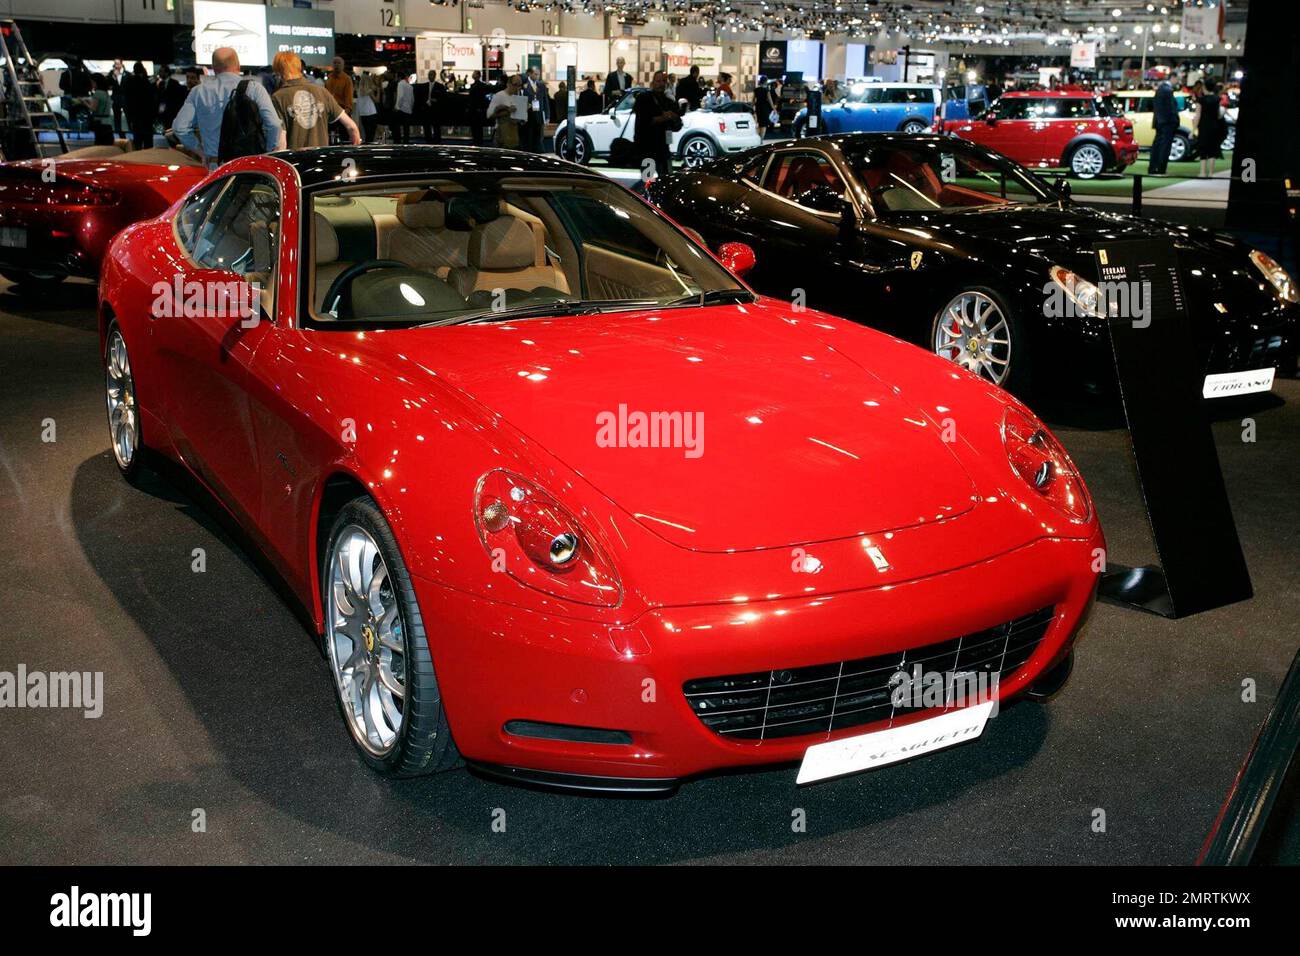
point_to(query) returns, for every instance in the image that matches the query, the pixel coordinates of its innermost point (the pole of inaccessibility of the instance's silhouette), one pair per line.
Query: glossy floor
(216, 698)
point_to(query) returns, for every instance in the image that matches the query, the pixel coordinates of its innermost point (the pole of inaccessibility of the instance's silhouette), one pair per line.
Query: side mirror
(737, 257)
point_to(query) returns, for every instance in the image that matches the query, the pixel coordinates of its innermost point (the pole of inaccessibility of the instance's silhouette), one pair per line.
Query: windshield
(943, 174)
(482, 247)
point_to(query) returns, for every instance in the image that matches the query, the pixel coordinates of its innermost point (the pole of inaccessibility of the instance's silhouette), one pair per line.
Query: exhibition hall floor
(216, 699)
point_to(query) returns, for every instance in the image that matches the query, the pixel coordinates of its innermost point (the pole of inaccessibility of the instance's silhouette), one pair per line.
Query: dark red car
(57, 215)
(1075, 130)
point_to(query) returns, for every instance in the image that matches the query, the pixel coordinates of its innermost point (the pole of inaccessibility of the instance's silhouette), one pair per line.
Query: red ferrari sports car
(57, 215)
(567, 500)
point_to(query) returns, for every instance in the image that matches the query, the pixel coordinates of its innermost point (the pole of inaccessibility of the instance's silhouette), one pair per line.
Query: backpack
(241, 127)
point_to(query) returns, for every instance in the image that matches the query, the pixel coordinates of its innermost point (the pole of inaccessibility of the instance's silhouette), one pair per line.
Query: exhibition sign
(1202, 565)
(257, 33)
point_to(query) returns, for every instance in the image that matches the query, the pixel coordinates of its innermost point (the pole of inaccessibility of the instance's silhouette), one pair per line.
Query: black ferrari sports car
(956, 248)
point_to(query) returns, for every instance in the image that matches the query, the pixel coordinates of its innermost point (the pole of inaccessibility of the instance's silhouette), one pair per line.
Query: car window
(1140, 104)
(792, 174)
(1063, 107)
(240, 234)
(471, 246)
(938, 175)
(1016, 108)
(908, 95)
(194, 210)
(626, 103)
(753, 171)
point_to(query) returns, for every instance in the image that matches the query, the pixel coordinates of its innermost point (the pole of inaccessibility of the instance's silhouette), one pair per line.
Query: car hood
(775, 438)
(1056, 233)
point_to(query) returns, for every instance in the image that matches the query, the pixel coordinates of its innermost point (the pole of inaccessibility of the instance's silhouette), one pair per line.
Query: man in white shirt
(403, 107)
(508, 112)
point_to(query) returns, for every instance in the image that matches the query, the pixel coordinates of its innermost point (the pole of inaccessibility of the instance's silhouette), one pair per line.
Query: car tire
(125, 434)
(696, 150)
(1086, 161)
(362, 563)
(1180, 148)
(912, 127)
(582, 146)
(1051, 682)
(972, 303)
(33, 282)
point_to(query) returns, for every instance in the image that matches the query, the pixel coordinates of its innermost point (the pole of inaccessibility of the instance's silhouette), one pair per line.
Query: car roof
(335, 164)
(883, 83)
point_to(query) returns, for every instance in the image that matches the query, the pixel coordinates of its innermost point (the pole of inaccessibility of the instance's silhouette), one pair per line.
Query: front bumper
(498, 663)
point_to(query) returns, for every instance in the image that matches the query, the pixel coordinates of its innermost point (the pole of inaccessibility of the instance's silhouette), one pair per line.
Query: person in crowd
(432, 99)
(830, 92)
(403, 108)
(657, 117)
(100, 104)
(305, 109)
(560, 101)
(617, 83)
(479, 94)
(339, 84)
(141, 106)
(115, 78)
(174, 94)
(77, 84)
(688, 89)
(762, 106)
(1164, 118)
(508, 111)
(367, 107)
(539, 110)
(589, 101)
(1210, 128)
(724, 86)
(198, 124)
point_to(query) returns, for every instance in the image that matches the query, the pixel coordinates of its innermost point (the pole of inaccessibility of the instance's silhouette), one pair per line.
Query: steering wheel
(334, 293)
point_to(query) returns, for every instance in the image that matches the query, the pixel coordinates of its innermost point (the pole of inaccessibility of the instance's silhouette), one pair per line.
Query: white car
(705, 134)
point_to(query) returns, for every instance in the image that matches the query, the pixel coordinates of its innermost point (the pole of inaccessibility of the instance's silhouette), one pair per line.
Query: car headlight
(1085, 296)
(1277, 277)
(1039, 461)
(538, 542)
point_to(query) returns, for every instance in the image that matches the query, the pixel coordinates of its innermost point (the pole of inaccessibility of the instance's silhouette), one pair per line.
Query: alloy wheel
(123, 415)
(914, 126)
(972, 331)
(1177, 149)
(696, 152)
(1087, 161)
(365, 640)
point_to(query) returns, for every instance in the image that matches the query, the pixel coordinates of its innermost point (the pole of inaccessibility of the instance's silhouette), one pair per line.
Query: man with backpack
(219, 125)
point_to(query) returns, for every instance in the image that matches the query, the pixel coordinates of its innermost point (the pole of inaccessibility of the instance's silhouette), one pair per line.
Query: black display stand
(1201, 563)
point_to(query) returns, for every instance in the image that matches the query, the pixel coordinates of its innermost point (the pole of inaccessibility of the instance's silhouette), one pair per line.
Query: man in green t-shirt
(306, 109)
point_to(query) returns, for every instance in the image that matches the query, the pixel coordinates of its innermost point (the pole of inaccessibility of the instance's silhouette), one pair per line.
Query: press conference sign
(257, 33)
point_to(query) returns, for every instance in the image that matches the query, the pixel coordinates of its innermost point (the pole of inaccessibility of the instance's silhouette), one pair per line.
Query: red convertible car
(564, 498)
(57, 215)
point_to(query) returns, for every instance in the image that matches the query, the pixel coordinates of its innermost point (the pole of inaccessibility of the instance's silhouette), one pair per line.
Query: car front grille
(821, 698)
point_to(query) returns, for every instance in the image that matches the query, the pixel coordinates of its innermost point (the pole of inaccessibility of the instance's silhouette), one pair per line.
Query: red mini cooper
(1072, 129)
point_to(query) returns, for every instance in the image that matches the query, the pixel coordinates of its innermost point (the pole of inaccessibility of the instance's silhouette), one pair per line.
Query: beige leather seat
(417, 235)
(325, 243)
(506, 253)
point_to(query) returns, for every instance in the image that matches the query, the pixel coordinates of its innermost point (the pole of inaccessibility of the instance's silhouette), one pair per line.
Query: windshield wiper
(557, 308)
(714, 297)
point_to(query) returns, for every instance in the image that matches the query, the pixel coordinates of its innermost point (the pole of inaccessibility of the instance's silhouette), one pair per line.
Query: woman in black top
(1209, 129)
(141, 105)
(762, 106)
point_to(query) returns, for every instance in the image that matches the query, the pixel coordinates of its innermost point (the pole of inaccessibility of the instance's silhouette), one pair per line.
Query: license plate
(742, 124)
(1224, 384)
(883, 747)
(13, 237)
